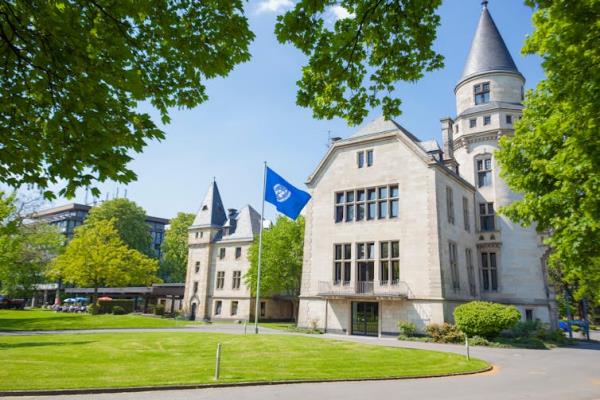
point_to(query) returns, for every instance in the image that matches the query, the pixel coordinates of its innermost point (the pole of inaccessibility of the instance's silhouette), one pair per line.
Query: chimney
(448, 137)
(333, 140)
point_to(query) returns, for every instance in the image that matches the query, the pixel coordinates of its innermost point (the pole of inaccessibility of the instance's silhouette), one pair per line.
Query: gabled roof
(488, 51)
(212, 212)
(247, 225)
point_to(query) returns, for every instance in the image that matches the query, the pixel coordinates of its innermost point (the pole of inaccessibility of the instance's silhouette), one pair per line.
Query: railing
(363, 288)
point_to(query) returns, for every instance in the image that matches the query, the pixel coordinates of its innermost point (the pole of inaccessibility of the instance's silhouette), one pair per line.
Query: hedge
(485, 319)
(106, 306)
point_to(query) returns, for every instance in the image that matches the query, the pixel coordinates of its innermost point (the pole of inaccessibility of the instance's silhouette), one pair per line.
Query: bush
(481, 318)
(106, 306)
(407, 328)
(159, 309)
(118, 310)
(93, 309)
(444, 333)
(524, 329)
(479, 341)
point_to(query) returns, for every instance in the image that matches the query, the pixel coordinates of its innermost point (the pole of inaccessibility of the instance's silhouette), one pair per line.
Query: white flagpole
(262, 213)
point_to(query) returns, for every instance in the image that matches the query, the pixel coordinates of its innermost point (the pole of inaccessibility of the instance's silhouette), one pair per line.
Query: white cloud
(339, 12)
(273, 6)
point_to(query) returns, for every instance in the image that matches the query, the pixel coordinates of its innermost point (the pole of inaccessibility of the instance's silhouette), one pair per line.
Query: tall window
(221, 253)
(238, 252)
(195, 287)
(484, 172)
(197, 267)
(234, 307)
(342, 265)
(360, 159)
(486, 217)
(466, 216)
(237, 279)
(454, 266)
(366, 204)
(263, 308)
(220, 279)
(389, 264)
(489, 271)
(470, 272)
(482, 93)
(218, 307)
(369, 158)
(450, 204)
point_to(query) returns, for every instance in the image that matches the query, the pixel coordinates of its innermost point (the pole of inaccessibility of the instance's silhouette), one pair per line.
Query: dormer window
(482, 93)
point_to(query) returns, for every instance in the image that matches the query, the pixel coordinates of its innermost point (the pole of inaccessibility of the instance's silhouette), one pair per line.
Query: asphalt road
(563, 373)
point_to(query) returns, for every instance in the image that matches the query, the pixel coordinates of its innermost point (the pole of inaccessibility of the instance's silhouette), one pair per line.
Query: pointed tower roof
(488, 50)
(212, 212)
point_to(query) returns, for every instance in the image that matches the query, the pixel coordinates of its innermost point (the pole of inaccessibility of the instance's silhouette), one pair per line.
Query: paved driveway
(564, 373)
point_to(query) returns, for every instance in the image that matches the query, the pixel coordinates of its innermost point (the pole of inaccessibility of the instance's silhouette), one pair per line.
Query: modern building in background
(218, 244)
(401, 229)
(70, 216)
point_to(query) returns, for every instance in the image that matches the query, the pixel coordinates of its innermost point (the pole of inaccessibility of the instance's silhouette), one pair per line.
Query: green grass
(286, 326)
(161, 358)
(43, 320)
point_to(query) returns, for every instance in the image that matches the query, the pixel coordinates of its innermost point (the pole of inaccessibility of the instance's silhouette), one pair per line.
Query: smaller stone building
(218, 261)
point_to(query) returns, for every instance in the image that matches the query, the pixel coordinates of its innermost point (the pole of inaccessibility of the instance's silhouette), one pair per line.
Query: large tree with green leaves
(554, 156)
(75, 71)
(173, 264)
(97, 257)
(281, 267)
(129, 220)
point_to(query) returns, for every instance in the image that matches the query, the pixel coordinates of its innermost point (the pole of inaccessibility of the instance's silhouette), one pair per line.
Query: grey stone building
(218, 245)
(401, 229)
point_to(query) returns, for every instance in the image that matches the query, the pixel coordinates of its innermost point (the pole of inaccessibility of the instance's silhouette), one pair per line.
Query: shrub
(159, 309)
(93, 309)
(106, 306)
(444, 333)
(525, 329)
(481, 318)
(118, 310)
(407, 328)
(479, 341)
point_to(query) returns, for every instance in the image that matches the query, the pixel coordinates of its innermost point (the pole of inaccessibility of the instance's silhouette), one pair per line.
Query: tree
(75, 71)
(354, 63)
(283, 250)
(554, 156)
(173, 265)
(26, 249)
(97, 257)
(129, 220)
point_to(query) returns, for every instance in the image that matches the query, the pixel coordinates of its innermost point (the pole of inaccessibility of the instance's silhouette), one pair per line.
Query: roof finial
(484, 4)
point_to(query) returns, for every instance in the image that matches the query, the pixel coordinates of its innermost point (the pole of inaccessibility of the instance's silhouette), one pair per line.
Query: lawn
(43, 320)
(161, 358)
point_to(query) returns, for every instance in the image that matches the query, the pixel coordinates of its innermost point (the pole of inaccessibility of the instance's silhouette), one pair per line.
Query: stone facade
(218, 246)
(451, 245)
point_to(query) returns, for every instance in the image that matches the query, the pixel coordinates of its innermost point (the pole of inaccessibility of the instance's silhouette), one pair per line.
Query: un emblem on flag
(281, 193)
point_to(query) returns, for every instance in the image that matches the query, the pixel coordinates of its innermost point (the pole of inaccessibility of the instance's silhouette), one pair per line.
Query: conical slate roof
(488, 50)
(212, 212)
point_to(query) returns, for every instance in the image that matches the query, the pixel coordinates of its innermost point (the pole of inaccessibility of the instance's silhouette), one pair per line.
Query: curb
(62, 392)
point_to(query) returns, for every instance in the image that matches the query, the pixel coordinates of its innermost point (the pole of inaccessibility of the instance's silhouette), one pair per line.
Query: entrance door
(365, 318)
(193, 316)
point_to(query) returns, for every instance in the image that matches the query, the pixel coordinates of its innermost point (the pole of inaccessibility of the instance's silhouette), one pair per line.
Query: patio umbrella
(104, 298)
(70, 300)
(81, 299)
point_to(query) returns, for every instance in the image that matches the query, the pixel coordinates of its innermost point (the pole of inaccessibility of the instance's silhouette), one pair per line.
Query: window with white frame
(342, 265)
(236, 280)
(470, 271)
(368, 204)
(466, 216)
(489, 271)
(487, 217)
(450, 204)
(389, 262)
(220, 279)
(484, 172)
(454, 265)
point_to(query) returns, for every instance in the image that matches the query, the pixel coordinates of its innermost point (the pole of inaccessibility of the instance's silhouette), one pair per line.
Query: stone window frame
(453, 262)
(470, 271)
(489, 264)
(484, 167)
(487, 213)
(473, 123)
(197, 267)
(342, 263)
(195, 287)
(233, 310)
(482, 93)
(466, 214)
(236, 280)
(238, 252)
(369, 157)
(351, 204)
(389, 260)
(220, 280)
(360, 159)
(218, 307)
(450, 205)
(487, 120)
(509, 119)
(222, 253)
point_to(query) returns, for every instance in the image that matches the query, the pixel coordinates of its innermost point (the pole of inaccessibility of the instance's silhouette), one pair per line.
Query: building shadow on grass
(6, 346)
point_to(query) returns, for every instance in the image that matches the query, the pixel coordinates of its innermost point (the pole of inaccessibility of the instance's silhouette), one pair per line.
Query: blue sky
(251, 115)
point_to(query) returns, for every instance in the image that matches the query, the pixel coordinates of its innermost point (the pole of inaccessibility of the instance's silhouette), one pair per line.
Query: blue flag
(288, 199)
